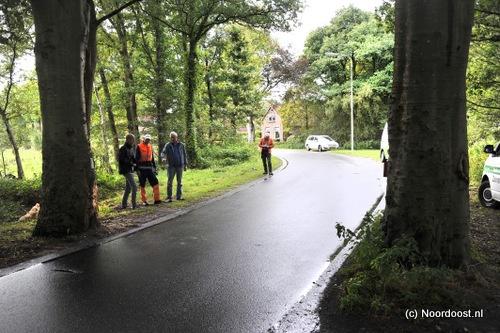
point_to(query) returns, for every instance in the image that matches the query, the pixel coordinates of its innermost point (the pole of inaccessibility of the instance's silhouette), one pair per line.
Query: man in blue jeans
(175, 155)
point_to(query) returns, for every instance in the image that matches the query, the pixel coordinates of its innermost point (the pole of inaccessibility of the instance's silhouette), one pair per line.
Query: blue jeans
(174, 171)
(130, 186)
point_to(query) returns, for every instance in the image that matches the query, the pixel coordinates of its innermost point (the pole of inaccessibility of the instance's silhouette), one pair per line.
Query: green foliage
(483, 74)
(26, 192)
(381, 279)
(222, 155)
(17, 196)
(294, 142)
(321, 101)
(109, 184)
(476, 162)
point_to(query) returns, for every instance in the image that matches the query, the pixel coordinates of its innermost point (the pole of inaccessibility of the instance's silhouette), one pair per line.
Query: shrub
(26, 192)
(381, 279)
(17, 196)
(365, 144)
(476, 162)
(109, 184)
(294, 142)
(222, 155)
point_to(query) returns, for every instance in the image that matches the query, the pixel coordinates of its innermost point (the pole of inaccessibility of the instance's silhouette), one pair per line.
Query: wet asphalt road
(235, 265)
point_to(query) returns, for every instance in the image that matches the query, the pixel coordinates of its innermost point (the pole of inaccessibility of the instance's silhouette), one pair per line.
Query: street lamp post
(352, 94)
(352, 107)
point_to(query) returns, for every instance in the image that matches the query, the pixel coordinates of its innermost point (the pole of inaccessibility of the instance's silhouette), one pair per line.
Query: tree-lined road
(234, 265)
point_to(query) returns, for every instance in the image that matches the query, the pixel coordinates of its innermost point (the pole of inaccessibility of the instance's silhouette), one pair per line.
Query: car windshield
(327, 137)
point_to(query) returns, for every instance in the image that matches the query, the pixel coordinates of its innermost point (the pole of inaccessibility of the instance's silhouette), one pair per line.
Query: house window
(277, 135)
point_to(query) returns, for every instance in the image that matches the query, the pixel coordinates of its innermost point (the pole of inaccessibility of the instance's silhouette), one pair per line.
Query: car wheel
(485, 195)
(307, 147)
(320, 148)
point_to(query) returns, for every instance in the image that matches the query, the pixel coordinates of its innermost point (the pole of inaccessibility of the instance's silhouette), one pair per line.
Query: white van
(384, 145)
(489, 190)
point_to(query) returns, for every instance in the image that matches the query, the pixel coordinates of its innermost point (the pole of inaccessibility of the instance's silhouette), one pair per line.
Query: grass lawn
(198, 185)
(31, 159)
(17, 244)
(374, 154)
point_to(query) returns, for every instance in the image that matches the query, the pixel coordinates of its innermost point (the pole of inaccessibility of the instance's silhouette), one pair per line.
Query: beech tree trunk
(128, 79)
(161, 79)
(190, 79)
(108, 105)
(427, 191)
(63, 45)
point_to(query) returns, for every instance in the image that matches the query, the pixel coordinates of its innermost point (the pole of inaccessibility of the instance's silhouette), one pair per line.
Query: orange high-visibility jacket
(269, 142)
(144, 155)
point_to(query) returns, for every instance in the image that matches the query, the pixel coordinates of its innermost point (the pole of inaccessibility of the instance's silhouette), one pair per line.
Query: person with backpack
(174, 153)
(126, 167)
(147, 170)
(266, 144)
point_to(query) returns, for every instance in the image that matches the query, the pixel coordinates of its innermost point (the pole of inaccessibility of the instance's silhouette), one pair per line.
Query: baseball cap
(147, 137)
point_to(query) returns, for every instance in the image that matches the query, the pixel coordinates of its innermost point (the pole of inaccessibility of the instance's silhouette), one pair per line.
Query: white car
(320, 142)
(489, 190)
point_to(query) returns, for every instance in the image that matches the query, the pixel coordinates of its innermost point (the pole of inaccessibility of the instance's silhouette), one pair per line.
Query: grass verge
(373, 154)
(17, 244)
(376, 285)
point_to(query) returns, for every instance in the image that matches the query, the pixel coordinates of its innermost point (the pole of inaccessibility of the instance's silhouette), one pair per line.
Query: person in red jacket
(265, 145)
(147, 169)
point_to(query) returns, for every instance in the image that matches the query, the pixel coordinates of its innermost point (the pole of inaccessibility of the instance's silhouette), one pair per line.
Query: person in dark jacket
(126, 166)
(175, 155)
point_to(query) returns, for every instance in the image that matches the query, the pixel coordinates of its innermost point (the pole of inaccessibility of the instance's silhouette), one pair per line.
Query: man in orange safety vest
(146, 167)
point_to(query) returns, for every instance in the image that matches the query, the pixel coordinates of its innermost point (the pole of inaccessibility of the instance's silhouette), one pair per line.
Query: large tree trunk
(128, 79)
(68, 179)
(427, 191)
(189, 102)
(161, 79)
(13, 143)
(108, 104)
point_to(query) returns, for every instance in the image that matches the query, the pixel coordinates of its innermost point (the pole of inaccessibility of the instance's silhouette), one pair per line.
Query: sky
(317, 13)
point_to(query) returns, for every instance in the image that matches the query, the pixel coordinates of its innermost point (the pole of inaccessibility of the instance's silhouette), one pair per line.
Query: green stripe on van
(492, 169)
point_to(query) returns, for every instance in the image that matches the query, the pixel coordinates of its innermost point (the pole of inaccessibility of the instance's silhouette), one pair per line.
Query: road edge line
(309, 302)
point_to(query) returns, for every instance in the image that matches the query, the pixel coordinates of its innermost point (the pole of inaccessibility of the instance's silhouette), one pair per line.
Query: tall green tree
(193, 19)
(15, 40)
(427, 191)
(352, 37)
(483, 73)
